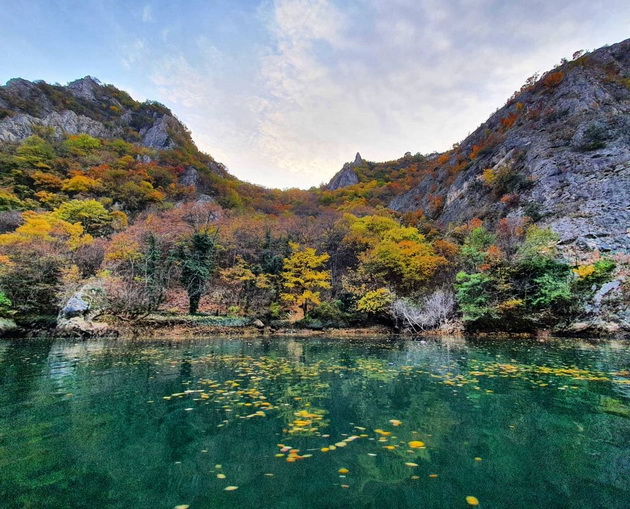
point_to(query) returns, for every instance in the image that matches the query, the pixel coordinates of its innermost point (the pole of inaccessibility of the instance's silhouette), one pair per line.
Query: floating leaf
(230, 488)
(410, 464)
(415, 444)
(395, 422)
(472, 500)
(221, 476)
(343, 470)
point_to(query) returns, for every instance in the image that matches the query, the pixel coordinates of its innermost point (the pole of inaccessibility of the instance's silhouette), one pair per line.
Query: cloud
(311, 82)
(387, 77)
(147, 14)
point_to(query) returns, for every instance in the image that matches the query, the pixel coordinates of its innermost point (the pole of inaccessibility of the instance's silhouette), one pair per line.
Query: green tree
(37, 152)
(196, 256)
(5, 305)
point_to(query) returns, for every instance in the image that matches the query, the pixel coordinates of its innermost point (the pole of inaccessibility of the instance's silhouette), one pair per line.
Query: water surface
(513, 423)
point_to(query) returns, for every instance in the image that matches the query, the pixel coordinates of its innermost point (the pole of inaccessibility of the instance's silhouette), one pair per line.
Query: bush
(431, 312)
(594, 138)
(473, 292)
(5, 306)
(33, 283)
(330, 313)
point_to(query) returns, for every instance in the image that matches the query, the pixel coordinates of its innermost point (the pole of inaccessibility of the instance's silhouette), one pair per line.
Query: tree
(196, 256)
(92, 215)
(302, 276)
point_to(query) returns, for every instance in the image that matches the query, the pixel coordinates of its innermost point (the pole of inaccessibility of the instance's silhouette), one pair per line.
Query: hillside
(108, 209)
(558, 152)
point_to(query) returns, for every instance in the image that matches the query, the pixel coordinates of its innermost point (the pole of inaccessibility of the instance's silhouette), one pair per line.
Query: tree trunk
(193, 303)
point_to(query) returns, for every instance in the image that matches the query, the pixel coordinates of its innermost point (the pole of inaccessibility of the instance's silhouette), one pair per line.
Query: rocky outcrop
(157, 136)
(77, 317)
(607, 313)
(562, 150)
(84, 106)
(7, 326)
(346, 176)
(85, 88)
(17, 128)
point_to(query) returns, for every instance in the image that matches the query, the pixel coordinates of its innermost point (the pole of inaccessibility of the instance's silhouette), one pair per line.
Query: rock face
(77, 317)
(346, 176)
(562, 149)
(84, 106)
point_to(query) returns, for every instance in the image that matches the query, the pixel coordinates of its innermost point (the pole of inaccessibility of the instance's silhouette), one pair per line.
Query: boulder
(76, 317)
(7, 326)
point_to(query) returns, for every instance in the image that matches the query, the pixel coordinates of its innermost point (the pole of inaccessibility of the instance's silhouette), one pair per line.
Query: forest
(114, 216)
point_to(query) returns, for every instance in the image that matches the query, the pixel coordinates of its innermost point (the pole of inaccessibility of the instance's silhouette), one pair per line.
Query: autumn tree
(303, 276)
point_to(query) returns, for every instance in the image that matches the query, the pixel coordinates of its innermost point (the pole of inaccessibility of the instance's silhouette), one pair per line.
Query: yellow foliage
(375, 301)
(583, 271)
(123, 248)
(302, 276)
(488, 176)
(80, 184)
(510, 305)
(45, 227)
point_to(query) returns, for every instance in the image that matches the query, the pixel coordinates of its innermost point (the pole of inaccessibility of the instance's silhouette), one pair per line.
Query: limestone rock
(85, 88)
(347, 176)
(157, 136)
(76, 318)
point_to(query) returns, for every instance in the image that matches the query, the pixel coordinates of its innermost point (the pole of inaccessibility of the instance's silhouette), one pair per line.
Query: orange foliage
(444, 158)
(508, 120)
(446, 249)
(553, 79)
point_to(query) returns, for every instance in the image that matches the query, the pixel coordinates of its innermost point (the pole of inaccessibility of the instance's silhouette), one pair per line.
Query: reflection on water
(315, 423)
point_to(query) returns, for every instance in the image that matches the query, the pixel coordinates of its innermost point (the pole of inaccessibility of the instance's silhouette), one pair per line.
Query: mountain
(96, 188)
(557, 151)
(86, 106)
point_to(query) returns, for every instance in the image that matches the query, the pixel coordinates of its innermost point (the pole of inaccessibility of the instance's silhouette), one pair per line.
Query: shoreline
(186, 330)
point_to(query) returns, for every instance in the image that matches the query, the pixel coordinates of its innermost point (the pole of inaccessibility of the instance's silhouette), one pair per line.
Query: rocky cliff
(558, 151)
(88, 106)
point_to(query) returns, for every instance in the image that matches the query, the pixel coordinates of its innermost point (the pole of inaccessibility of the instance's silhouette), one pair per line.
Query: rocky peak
(346, 176)
(85, 88)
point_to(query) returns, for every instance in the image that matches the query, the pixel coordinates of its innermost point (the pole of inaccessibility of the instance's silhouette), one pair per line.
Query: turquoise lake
(315, 423)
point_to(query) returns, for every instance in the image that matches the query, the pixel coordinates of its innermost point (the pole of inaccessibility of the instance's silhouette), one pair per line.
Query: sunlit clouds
(284, 92)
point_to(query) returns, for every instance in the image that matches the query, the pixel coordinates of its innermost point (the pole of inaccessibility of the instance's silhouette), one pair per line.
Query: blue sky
(285, 91)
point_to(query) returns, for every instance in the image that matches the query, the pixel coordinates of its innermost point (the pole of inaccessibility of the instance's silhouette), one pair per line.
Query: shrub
(431, 312)
(553, 79)
(5, 306)
(594, 138)
(473, 293)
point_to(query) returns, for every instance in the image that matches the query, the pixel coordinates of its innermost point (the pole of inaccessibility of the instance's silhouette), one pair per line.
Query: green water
(513, 423)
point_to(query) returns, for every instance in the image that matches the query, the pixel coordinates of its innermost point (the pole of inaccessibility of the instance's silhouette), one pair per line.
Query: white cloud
(147, 14)
(377, 77)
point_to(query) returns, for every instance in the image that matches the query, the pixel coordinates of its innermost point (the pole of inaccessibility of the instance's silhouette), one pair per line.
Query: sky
(283, 92)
